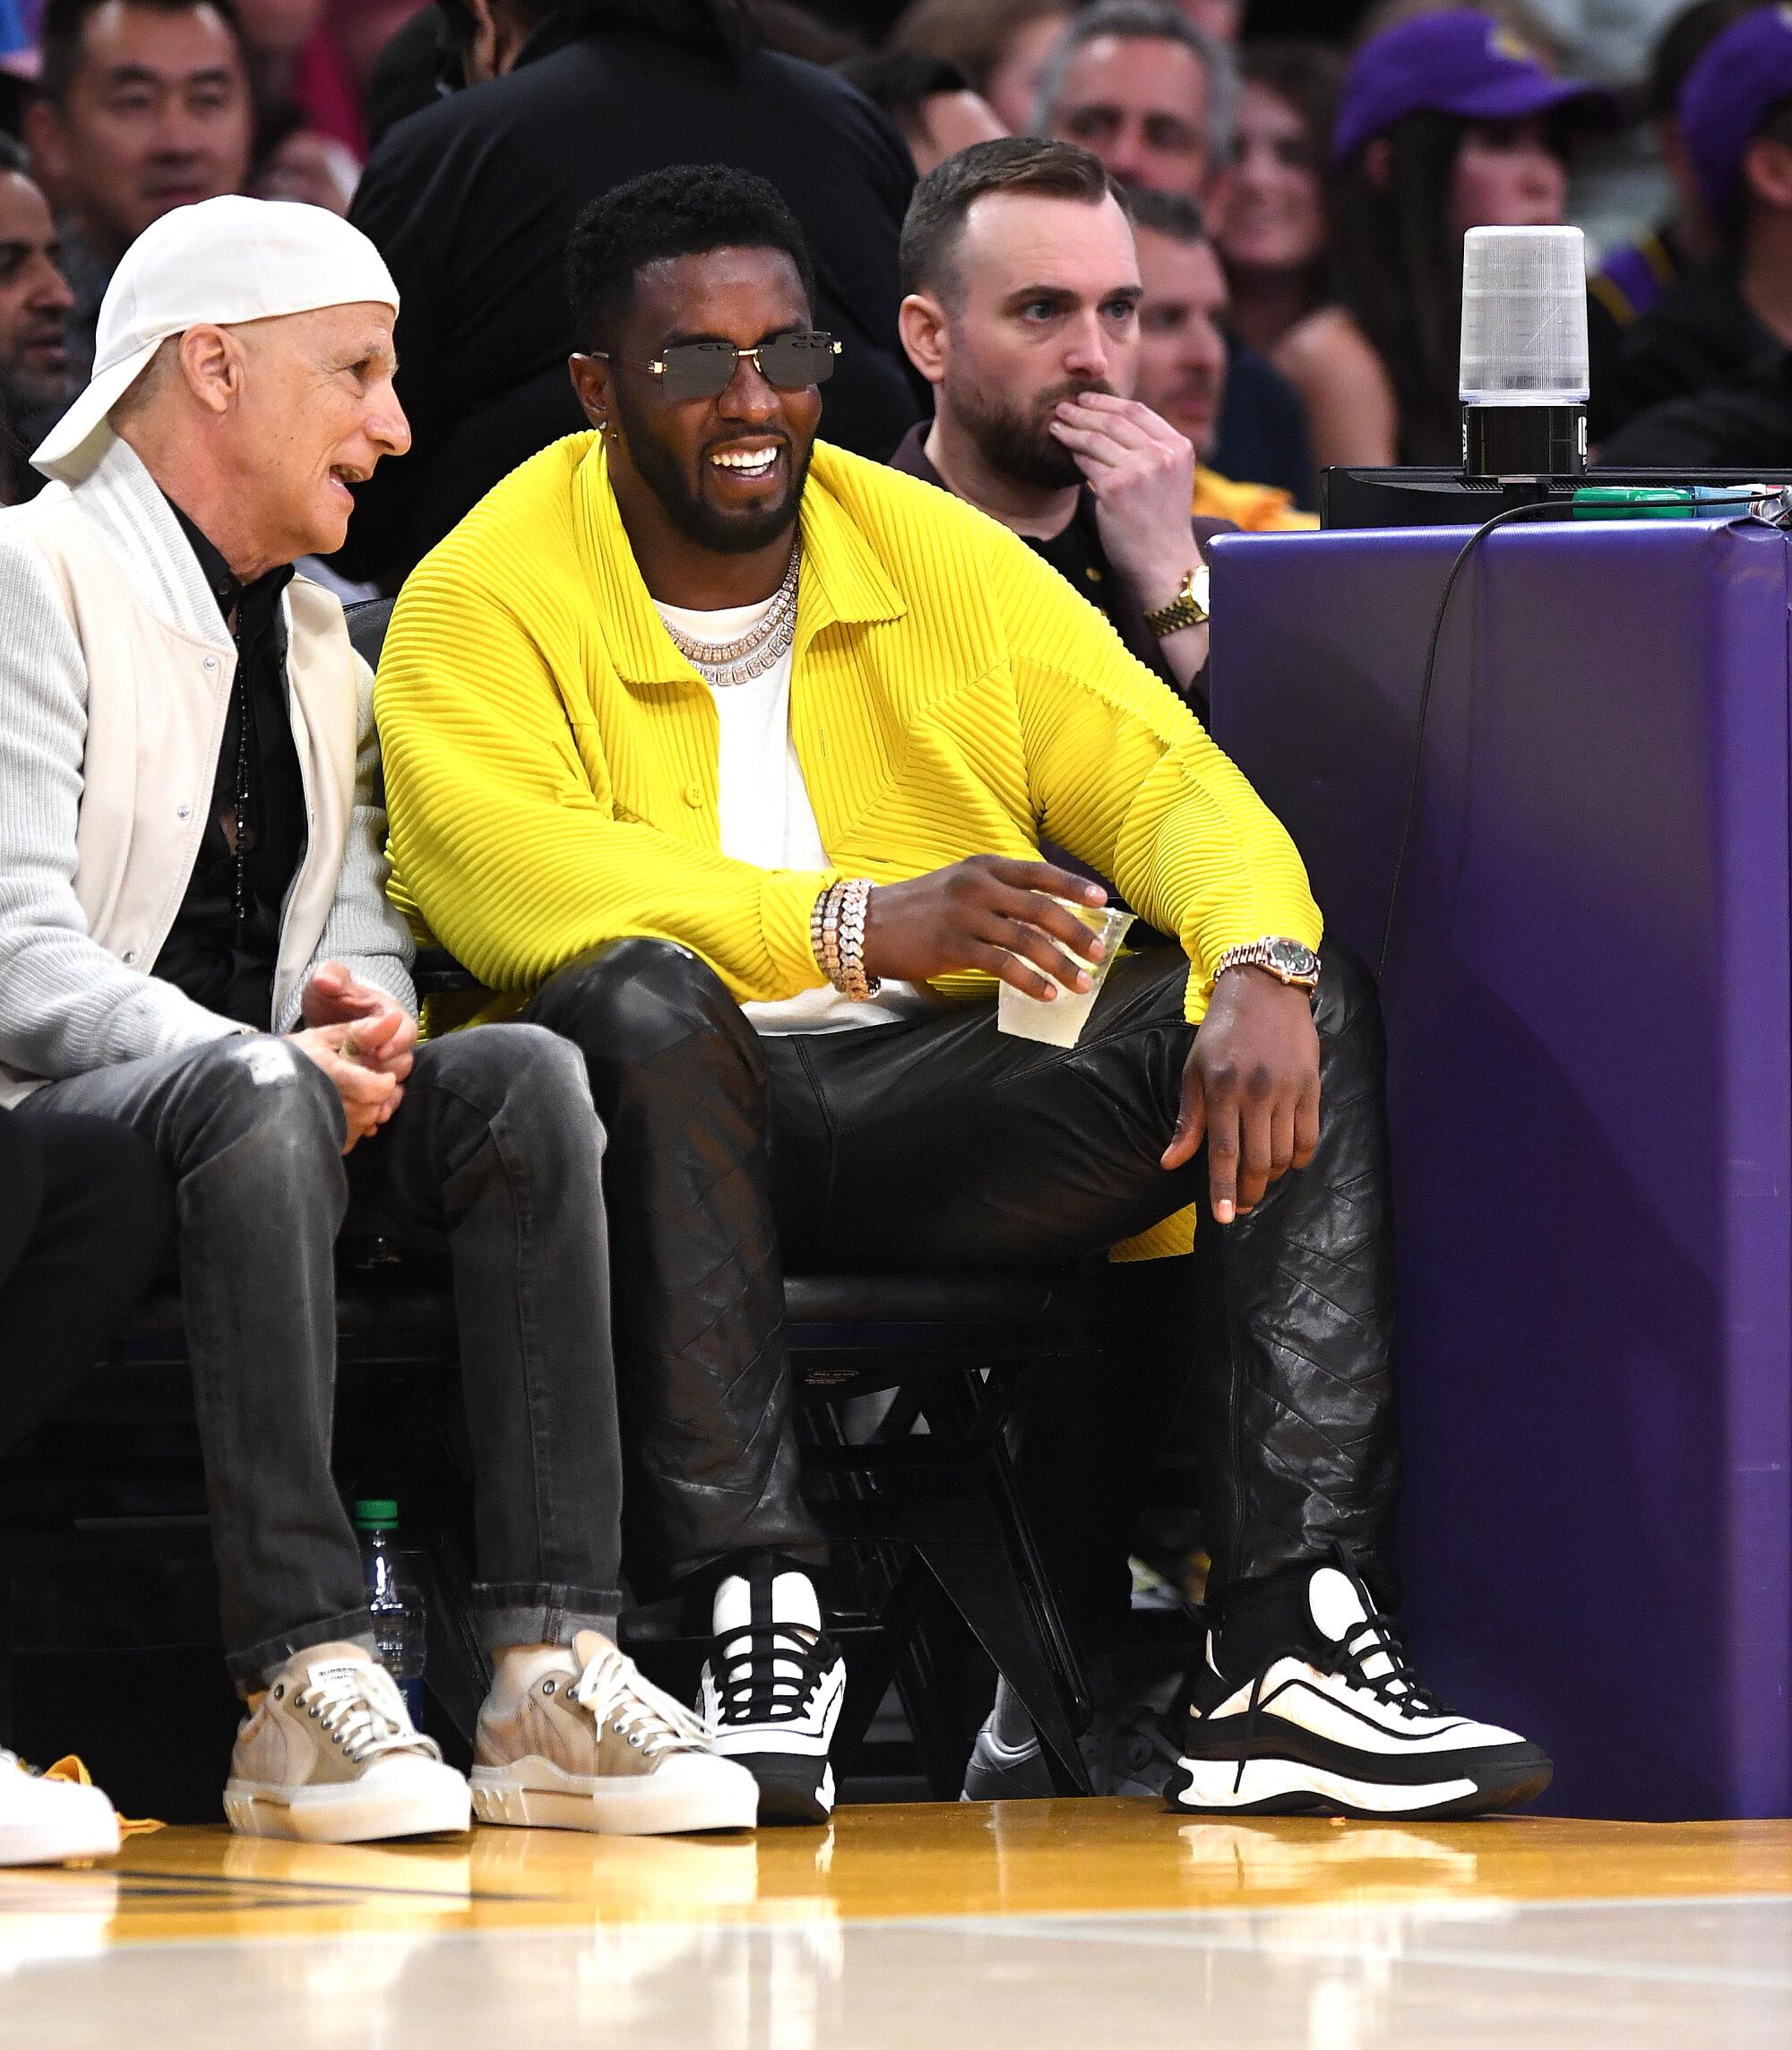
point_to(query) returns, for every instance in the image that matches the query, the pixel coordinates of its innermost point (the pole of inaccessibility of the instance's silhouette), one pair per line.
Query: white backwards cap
(216, 265)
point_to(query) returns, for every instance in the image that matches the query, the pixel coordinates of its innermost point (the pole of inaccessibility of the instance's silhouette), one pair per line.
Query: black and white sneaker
(1307, 1707)
(771, 1690)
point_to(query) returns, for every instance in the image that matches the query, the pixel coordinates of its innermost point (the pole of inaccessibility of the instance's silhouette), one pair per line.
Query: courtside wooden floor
(1036, 1924)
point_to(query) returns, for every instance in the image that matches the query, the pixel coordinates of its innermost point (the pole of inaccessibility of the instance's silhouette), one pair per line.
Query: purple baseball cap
(1455, 61)
(1729, 93)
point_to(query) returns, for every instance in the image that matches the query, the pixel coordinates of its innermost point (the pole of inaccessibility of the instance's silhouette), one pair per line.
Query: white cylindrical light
(1524, 317)
(1525, 376)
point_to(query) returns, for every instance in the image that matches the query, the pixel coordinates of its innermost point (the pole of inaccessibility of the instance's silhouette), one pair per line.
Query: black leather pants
(944, 1144)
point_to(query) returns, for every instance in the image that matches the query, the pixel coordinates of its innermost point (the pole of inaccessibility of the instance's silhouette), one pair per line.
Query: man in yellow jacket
(727, 755)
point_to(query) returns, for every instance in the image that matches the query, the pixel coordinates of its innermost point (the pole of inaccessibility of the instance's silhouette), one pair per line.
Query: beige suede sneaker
(589, 1744)
(331, 1757)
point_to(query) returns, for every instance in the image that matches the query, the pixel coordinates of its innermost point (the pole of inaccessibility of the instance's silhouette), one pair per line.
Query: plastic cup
(1058, 1021)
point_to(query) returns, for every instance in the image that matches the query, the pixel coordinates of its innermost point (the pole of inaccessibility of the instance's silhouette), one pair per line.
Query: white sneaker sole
(1280, 1786)
(536, 1794)
(794, 1787)
(792, 1765)
(352, 1813)
(89, 1837)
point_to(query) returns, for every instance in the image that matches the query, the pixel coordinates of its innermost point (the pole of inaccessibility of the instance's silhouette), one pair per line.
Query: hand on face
(1251, 1089)
(1142, 471)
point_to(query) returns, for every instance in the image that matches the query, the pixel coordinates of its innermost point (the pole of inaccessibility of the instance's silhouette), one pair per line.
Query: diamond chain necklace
(722, 664)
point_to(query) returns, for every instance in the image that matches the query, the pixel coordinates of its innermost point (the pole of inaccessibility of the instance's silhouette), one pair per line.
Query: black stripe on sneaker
(1388, 1728)
(1220, 1743)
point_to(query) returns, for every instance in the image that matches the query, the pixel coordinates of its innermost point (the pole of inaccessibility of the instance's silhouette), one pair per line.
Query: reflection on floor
(1035, 1923)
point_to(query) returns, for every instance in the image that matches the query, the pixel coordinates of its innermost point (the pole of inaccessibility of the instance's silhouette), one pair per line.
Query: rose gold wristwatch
(1286, 959)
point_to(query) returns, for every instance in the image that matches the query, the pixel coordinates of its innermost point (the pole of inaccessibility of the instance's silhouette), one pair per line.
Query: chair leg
(927, 1637)
(907, 1651)
(995, 1607)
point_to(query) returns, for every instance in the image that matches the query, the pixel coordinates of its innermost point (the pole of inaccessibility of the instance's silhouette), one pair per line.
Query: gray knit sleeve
(66, 1004)
(364, 932)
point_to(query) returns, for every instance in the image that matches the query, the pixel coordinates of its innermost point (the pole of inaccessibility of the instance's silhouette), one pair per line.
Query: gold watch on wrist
(1188, 608)
(1286, 959)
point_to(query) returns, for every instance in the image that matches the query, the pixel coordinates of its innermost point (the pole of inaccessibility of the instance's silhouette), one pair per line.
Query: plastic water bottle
(395, 1602)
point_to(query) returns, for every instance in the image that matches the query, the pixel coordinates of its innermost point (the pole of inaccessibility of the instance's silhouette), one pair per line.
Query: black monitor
(1420, 497)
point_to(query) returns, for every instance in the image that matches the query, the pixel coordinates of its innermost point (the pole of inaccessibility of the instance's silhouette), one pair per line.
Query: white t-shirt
(767, 819)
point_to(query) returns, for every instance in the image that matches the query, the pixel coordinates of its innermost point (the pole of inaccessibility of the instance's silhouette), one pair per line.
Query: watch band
(1262, 954)
(1188, 608)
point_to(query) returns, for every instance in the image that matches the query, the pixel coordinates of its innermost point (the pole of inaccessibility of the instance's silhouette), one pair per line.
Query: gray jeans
(493, 1158)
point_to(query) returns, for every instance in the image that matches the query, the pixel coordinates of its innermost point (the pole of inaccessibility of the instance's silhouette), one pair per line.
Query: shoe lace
(363, 1710)
(612, 1690)
(749, 1683)
(1252, 1711)
(1373, 1657)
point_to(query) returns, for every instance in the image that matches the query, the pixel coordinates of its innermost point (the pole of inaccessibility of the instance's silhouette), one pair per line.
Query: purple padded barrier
(1590, 1016)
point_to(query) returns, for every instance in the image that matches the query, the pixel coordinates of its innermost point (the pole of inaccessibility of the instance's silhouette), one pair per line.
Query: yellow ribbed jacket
(550, 757)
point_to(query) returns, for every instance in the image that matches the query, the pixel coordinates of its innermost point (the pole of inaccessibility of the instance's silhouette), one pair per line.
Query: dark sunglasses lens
(793, 361)
(698, 369)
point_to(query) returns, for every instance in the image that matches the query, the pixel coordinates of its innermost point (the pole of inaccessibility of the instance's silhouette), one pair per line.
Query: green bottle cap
(377, 1516)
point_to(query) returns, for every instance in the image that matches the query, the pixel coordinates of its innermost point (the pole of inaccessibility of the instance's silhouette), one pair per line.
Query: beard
(723, 533)
(31, 401)
(1016, 441)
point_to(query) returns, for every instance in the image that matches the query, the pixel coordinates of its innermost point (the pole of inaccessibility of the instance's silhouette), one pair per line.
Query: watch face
(1290, 959)
(1199, 585)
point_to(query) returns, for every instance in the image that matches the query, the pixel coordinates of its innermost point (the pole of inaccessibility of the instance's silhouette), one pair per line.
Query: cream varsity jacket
(115, 674)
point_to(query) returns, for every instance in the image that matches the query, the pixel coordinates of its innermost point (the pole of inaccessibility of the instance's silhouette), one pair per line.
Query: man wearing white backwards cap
(195, 939)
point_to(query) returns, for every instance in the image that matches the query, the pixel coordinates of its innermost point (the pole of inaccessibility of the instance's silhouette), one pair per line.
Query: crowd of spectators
(1331, 157)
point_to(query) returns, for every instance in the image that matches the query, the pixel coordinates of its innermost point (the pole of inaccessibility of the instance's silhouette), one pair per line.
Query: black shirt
(1261, 434)
(472, 202)
(1744, 425)
(1701, 334)
(1078, 557)
(223, 955)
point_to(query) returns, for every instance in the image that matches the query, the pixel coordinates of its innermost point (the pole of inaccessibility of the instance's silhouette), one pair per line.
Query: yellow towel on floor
(71, 1770)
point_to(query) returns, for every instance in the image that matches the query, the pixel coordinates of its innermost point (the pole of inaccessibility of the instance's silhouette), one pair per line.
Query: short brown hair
(973, 34)
(1013, 163)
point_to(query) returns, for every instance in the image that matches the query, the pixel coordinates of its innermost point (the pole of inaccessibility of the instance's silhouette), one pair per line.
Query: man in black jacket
(472, 202)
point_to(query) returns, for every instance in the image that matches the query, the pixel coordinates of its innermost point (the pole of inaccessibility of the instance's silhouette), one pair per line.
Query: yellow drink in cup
(1059, 1023)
